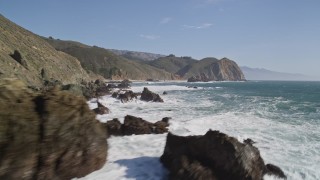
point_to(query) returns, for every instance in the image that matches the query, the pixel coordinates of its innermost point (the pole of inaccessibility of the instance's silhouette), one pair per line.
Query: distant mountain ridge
(265, 74)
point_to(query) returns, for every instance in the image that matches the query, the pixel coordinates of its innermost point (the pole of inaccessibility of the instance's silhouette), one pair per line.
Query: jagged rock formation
(212, 70)
(91, 89)
(125, 96)
(53, 135)
(135, 125)
(214, 156)
(147, 95)
(29, 58)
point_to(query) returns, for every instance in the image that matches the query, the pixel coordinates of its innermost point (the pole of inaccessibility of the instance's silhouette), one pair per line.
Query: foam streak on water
(282, 117)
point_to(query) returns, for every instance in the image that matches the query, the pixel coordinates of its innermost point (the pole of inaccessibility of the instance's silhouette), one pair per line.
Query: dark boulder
(101, 109)
(212, 156)
(249, 141)
(147, 95)
(53, 135)
(115, 94)
(124, 84)
(164, 93)
(114, 127)
(135, 125)
(160, 127)
(275, 170)
(127, 96)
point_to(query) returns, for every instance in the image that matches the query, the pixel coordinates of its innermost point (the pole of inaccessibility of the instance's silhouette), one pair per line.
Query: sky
(280, 35)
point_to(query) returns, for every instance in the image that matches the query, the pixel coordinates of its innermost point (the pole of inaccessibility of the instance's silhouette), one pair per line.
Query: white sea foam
(293, 147)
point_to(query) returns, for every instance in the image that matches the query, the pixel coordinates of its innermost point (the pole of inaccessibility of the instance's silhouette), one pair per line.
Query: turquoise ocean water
(282, 117)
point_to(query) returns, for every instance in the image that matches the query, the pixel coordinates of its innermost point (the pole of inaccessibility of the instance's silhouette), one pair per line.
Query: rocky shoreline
(52, 133)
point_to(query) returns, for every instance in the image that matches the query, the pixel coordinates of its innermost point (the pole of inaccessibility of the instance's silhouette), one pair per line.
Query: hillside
(135, 55)
(108, 64)
(213, 69)
(26, 56)
(172, 63)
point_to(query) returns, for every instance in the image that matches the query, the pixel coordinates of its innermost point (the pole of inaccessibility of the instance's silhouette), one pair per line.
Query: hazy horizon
(281, 36)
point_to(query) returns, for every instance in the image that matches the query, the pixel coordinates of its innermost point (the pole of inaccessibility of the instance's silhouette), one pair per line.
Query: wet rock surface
(125, 96)
(214, 156)
(51, 135)
(135, 125)
(101, 109)
(147, 95)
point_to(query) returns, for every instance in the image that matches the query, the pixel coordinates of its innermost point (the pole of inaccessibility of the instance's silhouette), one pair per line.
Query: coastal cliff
(211, 69)
(28, 57)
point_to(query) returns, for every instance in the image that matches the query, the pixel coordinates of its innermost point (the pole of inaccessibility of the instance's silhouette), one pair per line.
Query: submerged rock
(147, 95)
(53, 135)
(213, 156)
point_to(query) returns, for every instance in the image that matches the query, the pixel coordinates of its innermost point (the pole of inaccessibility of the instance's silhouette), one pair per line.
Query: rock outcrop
(202, 77)
(125, 96)
(211, 69)
(148, 95)
(214, 156)
(53, 135)
(89, 90)
(135, 125)
(101, 109)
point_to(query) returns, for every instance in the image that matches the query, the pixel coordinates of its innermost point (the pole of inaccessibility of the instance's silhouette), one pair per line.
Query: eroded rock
(135, 125)
(213, 156)
(148, 95)
(101, 109)
(52, 135)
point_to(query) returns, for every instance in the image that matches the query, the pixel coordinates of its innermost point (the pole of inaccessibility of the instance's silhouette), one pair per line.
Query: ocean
(282, 117)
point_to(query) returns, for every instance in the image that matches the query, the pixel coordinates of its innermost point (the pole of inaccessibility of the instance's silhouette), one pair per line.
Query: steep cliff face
(26, 56)
(211, 69)
(227, 70)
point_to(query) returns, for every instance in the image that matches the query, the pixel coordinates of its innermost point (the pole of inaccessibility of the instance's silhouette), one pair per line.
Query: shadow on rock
(214, 156)
(144, 167)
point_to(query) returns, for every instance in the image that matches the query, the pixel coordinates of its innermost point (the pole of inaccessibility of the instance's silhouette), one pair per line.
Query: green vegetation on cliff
(28, 57)
(172, 63)
(108, 64)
